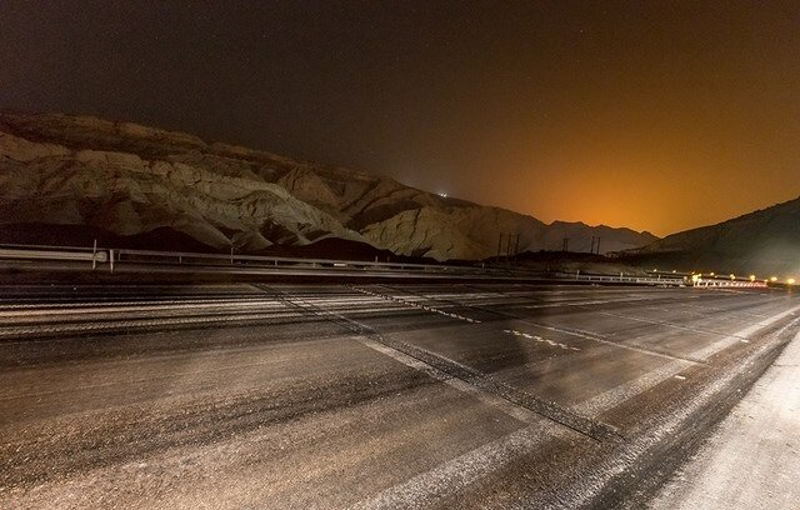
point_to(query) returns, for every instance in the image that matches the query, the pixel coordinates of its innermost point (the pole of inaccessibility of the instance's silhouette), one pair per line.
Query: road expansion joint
(551, 410)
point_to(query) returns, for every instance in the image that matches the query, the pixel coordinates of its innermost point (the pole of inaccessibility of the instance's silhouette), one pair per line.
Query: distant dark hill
(341, 249)
(167, 239)
(162, 238)
(568, 262)
(765, 242)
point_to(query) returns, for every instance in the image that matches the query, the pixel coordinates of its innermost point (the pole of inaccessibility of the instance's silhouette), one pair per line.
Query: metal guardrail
(641, 280)
(111, 258)
(255, 261)
(91, 256)
(673, 280)
(721, 282)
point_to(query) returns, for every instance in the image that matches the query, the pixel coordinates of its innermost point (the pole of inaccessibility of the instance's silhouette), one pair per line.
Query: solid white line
(715, 347)
(558, 304)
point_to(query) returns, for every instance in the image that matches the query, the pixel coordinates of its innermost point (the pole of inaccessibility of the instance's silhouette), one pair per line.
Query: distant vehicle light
(790, 281)
(443, 195)
(773, 279)
(752, 277)
(733, 277)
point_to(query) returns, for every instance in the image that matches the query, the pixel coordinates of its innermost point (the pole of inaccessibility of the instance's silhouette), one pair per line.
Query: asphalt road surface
(370, 396)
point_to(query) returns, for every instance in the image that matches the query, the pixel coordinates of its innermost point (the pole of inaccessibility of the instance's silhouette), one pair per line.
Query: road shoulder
(752, 460)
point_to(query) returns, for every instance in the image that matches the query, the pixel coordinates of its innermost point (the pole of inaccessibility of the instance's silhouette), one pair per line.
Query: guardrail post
(94, 255)
(111, 259)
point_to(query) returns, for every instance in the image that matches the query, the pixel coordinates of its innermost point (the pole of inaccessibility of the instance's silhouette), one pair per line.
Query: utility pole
(565, 244)
(516, 248)
(499, 246)
(508, 248)
(598, 245)
(591, 250)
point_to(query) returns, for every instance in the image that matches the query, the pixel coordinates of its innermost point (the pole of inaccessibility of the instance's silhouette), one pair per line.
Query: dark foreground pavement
(370, 396)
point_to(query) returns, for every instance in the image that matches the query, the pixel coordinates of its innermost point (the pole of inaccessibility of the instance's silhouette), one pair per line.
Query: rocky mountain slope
(765, 242)
(130, 179)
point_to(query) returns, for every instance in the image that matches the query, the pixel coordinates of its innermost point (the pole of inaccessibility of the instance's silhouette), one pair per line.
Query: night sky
(656, 115)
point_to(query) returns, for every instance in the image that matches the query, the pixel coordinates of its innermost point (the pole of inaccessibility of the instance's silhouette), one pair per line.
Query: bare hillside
(762, 242)
(129, 179)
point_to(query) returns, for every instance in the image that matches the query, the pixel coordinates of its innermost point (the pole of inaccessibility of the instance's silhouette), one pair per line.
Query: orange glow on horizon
(660, 194)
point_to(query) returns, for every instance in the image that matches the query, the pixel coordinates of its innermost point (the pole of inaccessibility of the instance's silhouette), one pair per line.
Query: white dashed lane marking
(539, 339)
(414, 304)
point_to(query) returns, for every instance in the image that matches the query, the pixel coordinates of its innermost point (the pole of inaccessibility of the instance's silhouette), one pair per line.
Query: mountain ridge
(129, 178)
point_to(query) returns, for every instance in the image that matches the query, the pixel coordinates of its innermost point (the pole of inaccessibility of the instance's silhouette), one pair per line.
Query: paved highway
(368, 396)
